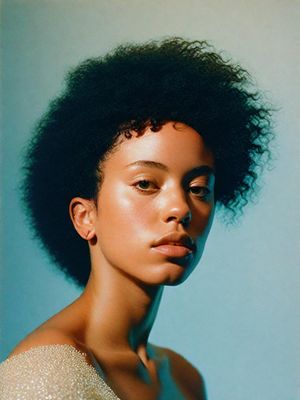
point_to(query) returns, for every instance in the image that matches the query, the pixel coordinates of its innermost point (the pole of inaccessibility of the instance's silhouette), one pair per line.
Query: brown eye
(200, 191)
(144, 185)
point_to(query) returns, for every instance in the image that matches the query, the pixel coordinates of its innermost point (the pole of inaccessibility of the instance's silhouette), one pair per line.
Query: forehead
(176, 145)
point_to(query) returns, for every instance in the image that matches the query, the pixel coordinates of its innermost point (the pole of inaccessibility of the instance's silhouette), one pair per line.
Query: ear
(82, 213)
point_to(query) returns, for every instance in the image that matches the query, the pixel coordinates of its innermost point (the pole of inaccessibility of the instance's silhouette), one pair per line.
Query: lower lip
(173, 251)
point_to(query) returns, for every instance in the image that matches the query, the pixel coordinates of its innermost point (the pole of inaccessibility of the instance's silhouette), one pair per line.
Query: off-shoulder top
(52, 372)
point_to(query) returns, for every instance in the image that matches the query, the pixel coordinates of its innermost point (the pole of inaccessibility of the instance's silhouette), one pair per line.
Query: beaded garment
(52, 372)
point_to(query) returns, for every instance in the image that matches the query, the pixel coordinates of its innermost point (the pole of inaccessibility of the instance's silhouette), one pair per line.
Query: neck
(119, 312)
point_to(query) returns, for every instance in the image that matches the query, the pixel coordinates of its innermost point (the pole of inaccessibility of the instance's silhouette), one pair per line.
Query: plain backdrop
(237, 317)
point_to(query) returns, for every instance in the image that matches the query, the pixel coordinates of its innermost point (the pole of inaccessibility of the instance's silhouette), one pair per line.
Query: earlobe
(90, 234)
(81, 212)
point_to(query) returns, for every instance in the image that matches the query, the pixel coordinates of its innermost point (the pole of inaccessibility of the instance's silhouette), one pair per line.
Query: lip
(174, 244)
(172, 250)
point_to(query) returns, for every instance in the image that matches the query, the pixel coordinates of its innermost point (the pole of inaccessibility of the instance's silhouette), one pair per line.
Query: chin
(169, 274)
(176, 280)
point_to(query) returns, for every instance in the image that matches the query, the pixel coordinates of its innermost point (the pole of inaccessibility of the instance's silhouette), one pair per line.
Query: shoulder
(49, 371)
(44, 337)
(40, 367)
(186, 374)
(50, 336)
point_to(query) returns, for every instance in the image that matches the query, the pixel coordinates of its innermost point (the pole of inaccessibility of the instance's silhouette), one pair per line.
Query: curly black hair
(130, 88)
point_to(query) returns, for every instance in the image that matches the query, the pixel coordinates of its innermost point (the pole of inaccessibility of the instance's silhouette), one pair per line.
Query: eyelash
(142, 180)
(204, 189)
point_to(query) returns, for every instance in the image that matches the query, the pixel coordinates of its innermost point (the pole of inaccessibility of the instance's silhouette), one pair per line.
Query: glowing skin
(139, 203)
(155, 184)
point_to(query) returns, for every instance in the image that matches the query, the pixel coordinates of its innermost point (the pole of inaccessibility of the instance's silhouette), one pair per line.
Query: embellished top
(52, 372)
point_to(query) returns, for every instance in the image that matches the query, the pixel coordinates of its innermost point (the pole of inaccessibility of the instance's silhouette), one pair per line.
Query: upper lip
(177, 239)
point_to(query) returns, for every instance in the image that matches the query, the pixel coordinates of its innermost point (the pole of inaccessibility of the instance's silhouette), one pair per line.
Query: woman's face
(155, 206)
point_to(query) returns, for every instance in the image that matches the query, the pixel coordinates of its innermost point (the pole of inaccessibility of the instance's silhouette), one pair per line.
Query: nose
(176, 208)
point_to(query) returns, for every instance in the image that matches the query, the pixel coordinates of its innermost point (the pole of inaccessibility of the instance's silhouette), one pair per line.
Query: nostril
(173, 218)
(176, 209)
(184, 220)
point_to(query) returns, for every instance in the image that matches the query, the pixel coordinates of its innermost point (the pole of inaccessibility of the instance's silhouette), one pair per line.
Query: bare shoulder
(44, 336)
(185, 373)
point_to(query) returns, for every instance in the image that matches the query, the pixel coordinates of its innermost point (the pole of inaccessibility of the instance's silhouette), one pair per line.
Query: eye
(144, 185)
(200, 191)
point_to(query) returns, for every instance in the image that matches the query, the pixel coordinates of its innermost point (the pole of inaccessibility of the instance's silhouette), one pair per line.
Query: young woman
(122, 178)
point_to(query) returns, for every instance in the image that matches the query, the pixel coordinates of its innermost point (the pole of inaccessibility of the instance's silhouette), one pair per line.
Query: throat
(148, 364)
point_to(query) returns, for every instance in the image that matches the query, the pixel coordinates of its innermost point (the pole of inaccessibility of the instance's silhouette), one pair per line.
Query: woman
(122, 178)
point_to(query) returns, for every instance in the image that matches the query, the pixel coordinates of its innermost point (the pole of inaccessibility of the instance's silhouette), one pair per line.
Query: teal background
(237, 317)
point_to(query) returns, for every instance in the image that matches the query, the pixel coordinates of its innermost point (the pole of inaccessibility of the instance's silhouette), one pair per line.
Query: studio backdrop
(237, 317)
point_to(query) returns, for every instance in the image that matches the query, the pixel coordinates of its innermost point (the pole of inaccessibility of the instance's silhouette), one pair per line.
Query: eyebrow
(200, 170)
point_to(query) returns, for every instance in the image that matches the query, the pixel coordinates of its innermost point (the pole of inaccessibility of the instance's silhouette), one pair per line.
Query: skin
(138, 204)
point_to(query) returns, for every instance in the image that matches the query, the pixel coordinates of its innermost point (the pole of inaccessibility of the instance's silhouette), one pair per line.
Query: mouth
(173, 250)
(175, 244)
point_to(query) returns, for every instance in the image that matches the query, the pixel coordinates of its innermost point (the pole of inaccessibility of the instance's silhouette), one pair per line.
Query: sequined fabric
(51, 372)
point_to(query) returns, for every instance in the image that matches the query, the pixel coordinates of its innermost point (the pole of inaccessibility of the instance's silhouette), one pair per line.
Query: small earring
(86, 236)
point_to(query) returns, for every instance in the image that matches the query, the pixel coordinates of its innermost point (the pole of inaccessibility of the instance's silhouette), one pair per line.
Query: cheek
(203, 214)
(202, 224)
(121, 211)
